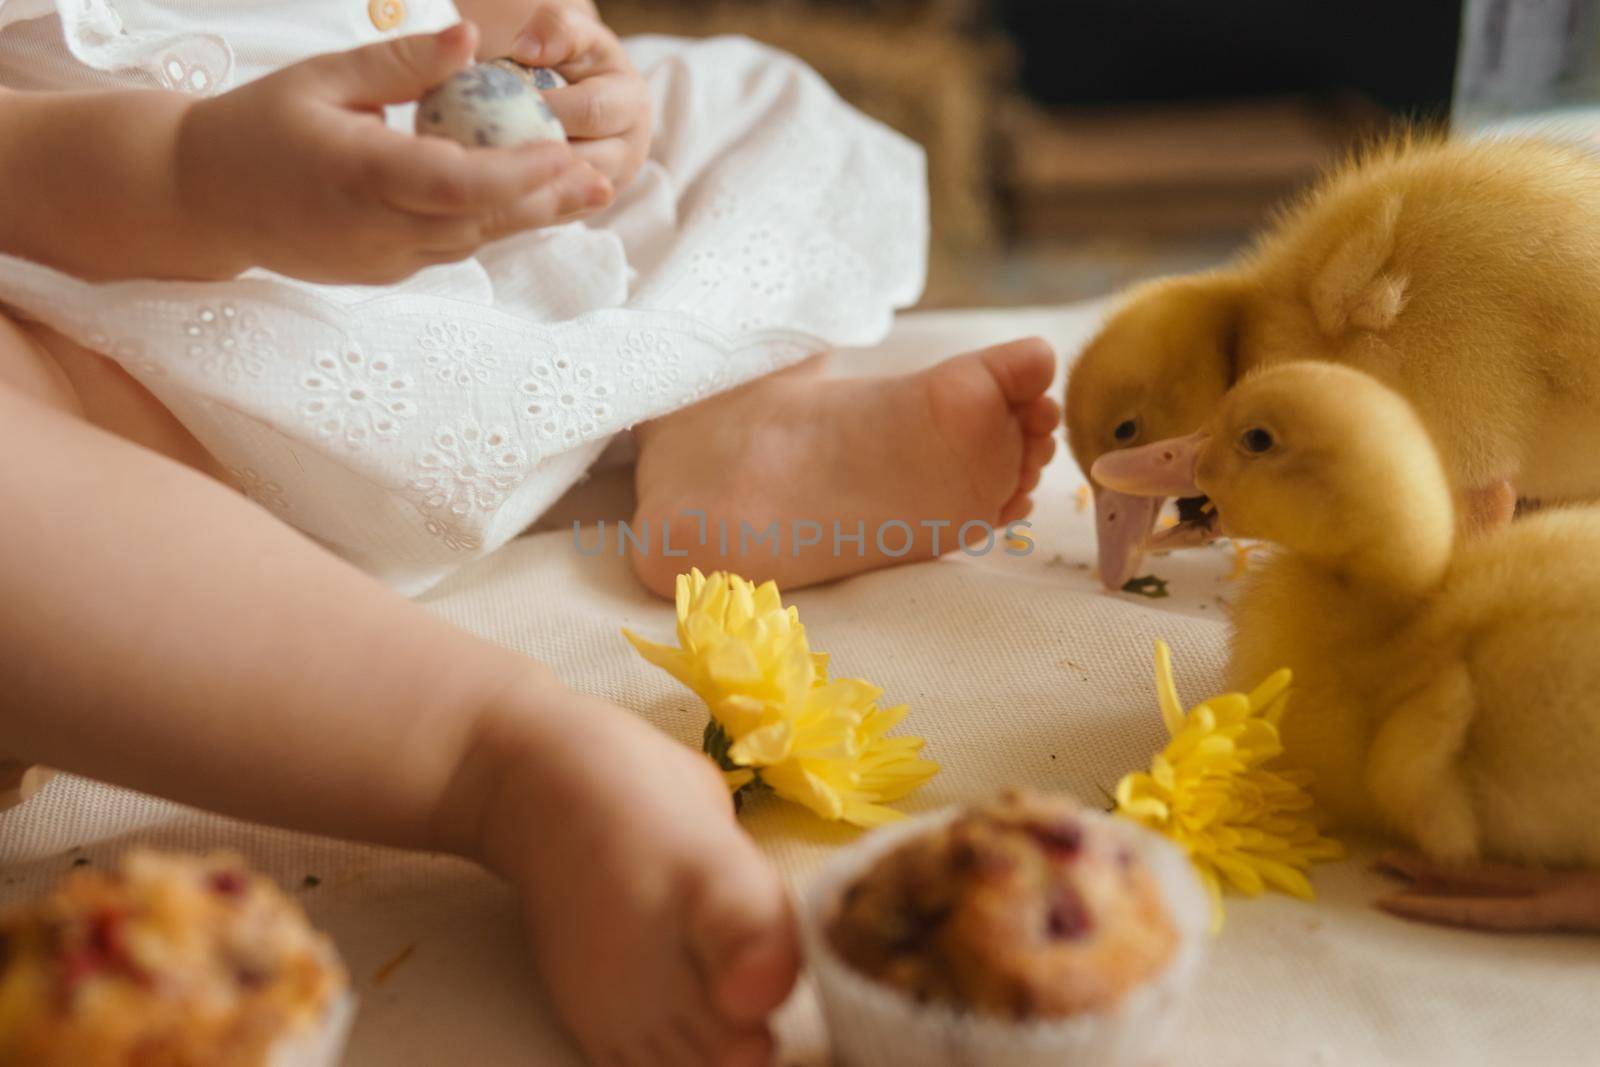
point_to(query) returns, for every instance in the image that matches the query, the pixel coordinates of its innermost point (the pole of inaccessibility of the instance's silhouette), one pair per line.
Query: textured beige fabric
(1018, 671)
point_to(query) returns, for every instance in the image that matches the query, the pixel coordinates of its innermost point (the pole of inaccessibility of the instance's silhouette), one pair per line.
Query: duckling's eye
(1256, 440)
(1125, 431)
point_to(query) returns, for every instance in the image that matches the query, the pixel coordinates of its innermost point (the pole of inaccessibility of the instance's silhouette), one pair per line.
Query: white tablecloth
(1018, 670)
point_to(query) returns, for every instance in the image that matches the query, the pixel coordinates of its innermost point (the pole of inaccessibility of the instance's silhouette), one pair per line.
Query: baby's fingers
(577, 192)
(603, 106)
(390, 72)
(618, 158)
(581, 191)
(433, 176)
(575, 44)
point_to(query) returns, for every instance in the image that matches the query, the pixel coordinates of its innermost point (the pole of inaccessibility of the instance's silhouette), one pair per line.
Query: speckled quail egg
(496, 104)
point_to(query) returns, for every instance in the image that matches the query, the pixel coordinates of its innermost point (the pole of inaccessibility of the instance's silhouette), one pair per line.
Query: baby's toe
(1018, 507)
(1036, 452)
(743, 937)
(1023, 369)
(1041, 415)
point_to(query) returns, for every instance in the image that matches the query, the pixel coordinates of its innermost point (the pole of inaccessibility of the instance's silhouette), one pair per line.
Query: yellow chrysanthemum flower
(1209, 792)
(777, 717)
(734, 645)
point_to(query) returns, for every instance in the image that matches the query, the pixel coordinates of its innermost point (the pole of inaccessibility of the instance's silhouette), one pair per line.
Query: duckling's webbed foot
(1488, 508)
(1487, 896)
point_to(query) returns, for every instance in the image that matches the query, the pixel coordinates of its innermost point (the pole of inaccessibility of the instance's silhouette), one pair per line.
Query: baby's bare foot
(661, 933)
(804, 479)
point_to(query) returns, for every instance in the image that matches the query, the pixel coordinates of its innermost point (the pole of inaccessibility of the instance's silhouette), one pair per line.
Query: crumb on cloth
(1241, 557)
(1148, 586)
(386, 972)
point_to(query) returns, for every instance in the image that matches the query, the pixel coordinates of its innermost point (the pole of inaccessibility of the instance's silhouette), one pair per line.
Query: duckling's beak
(1162, 469)
(1122, 522)
(1130, 487)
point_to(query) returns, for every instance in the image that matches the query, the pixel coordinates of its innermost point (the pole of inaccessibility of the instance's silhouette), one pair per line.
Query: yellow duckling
(1447, 692)
(1463, 274)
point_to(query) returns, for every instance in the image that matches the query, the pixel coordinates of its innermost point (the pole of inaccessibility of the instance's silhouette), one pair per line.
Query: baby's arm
(173, 637)
(89, 186)
(295, 172)
(159, 631)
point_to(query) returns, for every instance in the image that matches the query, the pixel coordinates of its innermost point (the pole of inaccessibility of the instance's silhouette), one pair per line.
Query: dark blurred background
(1096, 52)
(1078, 145)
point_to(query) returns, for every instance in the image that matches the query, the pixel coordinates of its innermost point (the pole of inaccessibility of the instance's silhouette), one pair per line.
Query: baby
(269, 361)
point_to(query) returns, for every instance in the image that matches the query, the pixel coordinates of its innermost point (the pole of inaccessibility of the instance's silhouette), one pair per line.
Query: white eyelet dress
(414, 427)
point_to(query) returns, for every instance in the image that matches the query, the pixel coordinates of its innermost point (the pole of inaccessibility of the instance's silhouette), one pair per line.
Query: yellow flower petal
(792, 781)
(1243, 876)
(1283, 877)
(869, 815)
(1213, 889)
(764, 746)
(1275, 685)
(1167, 691)
(669, 659)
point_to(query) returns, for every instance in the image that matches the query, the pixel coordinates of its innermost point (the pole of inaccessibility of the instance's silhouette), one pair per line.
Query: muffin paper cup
(874, 1025)
(322, 1046)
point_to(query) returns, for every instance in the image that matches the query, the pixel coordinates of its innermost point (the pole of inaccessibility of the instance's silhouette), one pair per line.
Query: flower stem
(715, 743)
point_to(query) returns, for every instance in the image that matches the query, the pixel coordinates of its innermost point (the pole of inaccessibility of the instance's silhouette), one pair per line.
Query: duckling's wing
(1414, 765)
(1354, 289)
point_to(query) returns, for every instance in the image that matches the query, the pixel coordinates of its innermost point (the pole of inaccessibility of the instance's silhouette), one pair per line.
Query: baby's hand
(606, 108)
(300, 173)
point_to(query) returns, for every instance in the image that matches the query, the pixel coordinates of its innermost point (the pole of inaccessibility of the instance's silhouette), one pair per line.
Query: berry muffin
(169, 961)
(1020, 909)
(1026, 930)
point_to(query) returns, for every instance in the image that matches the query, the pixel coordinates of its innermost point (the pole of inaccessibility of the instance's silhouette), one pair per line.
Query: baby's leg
(91, 387)
(911, 458)
(164, 633)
